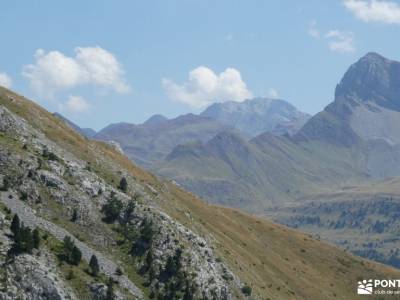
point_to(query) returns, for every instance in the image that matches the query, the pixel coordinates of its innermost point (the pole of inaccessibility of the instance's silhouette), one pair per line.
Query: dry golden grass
(277, 262)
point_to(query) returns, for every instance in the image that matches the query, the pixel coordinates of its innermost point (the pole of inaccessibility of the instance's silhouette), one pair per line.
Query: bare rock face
(99, 292)
(373, 78)
(29, 276)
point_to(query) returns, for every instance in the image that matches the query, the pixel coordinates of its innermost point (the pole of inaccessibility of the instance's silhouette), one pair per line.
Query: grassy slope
(277, 262)
(273, 172)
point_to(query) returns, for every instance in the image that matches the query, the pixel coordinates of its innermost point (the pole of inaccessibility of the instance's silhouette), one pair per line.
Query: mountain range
(150, 238)
(149, 143)
(345, 158)
(312, 179)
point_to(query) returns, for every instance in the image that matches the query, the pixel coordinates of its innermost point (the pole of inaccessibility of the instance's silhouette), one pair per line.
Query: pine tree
(128, 213)
(68, 245)
(26, 239)
(189, 291)
(123, 185)
(71, 253)
(15, 225)
(23, 241)
(36, 238)
(74, 217)
(76, 256)
(145, 240)
(110, 289)
(149, 259)
(94, 266)
(112, 209)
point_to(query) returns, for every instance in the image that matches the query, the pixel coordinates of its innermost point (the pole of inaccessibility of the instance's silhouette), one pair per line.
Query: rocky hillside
(259, 115)
(77, 199)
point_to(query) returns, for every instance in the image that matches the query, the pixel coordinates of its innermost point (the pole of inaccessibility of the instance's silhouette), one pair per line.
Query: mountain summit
(373, 78)
(366, 105)
(255, 116)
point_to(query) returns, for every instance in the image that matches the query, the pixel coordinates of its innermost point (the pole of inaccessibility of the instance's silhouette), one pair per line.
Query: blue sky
(101, 62)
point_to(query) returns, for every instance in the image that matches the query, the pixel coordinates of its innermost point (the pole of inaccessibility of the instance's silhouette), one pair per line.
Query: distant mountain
(258, 115)
(155, 120)
(325, 179)
(366, 106)
(265, 172)
(356, 138)
(151, 141)
(87, 132)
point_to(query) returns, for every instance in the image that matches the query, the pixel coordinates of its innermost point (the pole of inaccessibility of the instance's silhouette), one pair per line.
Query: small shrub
(246, 290)
(123, 185)
(70, 275)
(118, 271)
(24, 196)
(6, 184)
(49, 155)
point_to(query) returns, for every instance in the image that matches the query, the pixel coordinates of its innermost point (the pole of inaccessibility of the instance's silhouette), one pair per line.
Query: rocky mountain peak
(257, 115)
(373, 78)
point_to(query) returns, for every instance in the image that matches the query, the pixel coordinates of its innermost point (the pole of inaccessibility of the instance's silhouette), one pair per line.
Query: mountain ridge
(257, 251)
(257, 115)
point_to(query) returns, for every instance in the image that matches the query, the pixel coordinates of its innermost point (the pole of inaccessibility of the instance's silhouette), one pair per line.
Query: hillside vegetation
(209, 251)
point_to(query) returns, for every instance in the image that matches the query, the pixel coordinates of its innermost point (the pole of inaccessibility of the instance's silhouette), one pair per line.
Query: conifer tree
(110, 289)
(94, 266)
(112, 209)
(15, 225)
(76, 256)
(36, 238)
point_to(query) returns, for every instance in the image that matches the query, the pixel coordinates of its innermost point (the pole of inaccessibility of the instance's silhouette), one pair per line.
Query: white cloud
(54, 71)
(374, 10)
(75, 104)
(204, 87)
(341, 41)
(5, 80)
(313, 30)
(273, 93)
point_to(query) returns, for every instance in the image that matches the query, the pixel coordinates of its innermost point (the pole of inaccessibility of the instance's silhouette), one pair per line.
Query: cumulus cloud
(341, 41)
(313, 31)
(374, 10)
(76, 104)
(5, 80)
(53, 71)
(204, 87)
